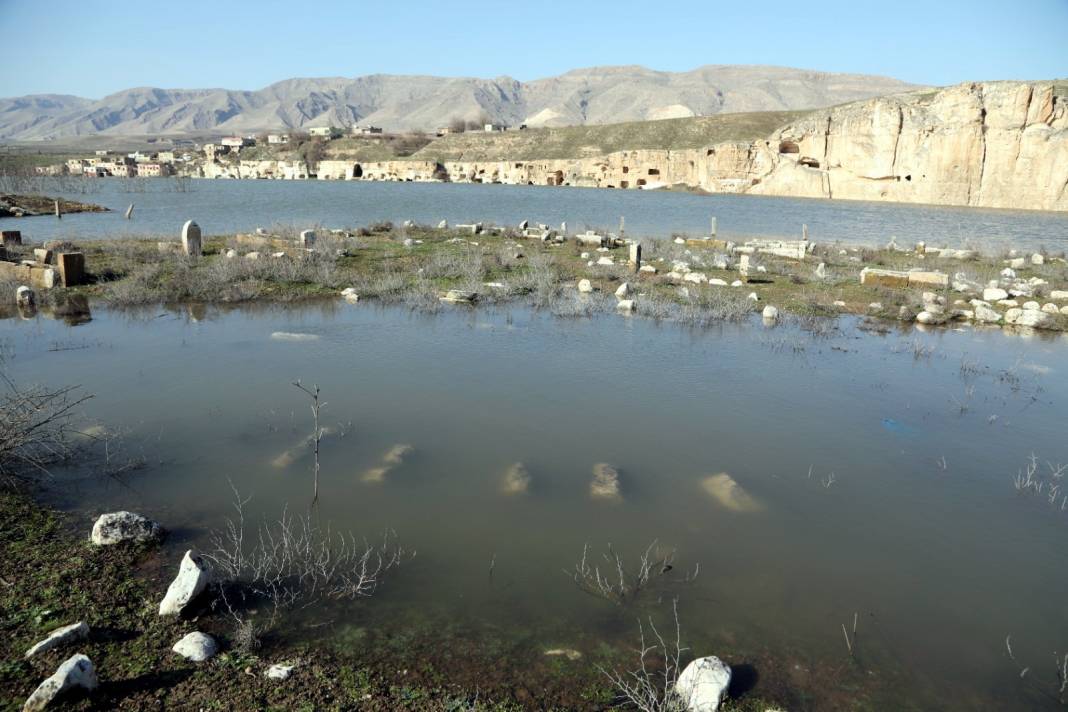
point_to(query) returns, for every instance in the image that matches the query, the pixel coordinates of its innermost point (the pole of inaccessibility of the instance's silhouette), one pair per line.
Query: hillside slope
(597, 95)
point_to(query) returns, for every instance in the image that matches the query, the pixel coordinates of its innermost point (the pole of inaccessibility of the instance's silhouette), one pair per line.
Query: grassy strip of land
(415, 266)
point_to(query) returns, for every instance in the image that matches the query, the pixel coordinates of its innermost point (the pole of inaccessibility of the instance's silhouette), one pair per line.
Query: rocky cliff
(995, 145)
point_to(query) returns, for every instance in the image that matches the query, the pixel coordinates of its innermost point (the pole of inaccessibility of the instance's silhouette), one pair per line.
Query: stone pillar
(804, 232)
(129, 211)
(58, 215)
(635, 256)
(743, 266)
(307, 238)
(191, 244)
(622, 225)
(713, 233)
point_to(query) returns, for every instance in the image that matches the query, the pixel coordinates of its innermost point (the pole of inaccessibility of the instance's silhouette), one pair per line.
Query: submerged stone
(605, 483)
(730, 494)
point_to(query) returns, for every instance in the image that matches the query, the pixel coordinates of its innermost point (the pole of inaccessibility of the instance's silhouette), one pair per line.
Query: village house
(366, 130)
(213, 150)
(154, 169)
(490, 128)
(237, 142)
(166, 157)
(324, 131)
(275, 139)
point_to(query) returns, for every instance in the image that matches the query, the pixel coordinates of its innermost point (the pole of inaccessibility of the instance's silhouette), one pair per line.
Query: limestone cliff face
(997, 144)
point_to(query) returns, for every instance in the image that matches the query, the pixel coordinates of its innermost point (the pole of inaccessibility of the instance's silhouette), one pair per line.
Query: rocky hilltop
(597, 95)
(993, 144)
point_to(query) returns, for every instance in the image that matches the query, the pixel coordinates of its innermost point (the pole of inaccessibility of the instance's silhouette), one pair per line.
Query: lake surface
(920, 531)
(228, 206)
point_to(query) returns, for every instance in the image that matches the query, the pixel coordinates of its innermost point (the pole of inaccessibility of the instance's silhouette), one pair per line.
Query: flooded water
(227, 206)
(876, 475)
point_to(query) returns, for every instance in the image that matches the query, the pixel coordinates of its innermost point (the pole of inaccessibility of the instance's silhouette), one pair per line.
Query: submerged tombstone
(191, 243)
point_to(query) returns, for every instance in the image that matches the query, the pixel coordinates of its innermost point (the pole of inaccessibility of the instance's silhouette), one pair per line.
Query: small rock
(252, 256)
(191, 580)
(993, 294)
(443, 225)
(516, 479)
(753, 297)
(116, 527)
(76, 671)
(1051, 308)
(647, 268)
(408, 242)
(985, 314)
(196, 646)
(569, 653)
(625, 305)
(585, 286)
(279, 671)
(606, 261)
(605, 484)
(821, 271)
(703, 684)
(716, 282)
(1008, 273)
(230, 254)
(59, 637)
(770, 313)
(930, 317)
(623, 291)
(737, 283)
(350, 294)
(1037, 259)
(1032, 305)
(840, 304)
(695, 277)
(459, 296)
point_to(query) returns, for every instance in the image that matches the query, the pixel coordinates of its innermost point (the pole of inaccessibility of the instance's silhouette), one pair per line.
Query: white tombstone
(191, 243)
(635, 256)
(307, 238)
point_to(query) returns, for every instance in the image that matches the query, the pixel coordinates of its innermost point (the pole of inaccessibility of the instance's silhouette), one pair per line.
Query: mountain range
(598, 95)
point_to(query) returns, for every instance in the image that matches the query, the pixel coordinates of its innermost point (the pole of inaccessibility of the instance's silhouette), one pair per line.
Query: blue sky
(95, 47)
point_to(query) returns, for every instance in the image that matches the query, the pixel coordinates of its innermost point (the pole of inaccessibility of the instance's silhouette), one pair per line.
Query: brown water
(940, 563)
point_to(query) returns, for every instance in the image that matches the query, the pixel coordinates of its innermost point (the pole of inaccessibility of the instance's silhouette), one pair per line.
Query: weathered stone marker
(743, 266)
(129, 211)
(635, 259)
(713, 233)
(307, 238)
(11, 238)
(191, 244)
(804, 232)
(58, 214)
(71, 267)
(622, 225)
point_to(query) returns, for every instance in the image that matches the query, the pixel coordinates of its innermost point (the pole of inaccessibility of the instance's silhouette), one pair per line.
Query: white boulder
(695, 277)
(993, 294)
(1037, 259)
(1050, 308)
(770, 313)
(703, 684)
(626, 305)
(116, 527)
(76, 671)
(585, 286)
(1059, 294)
(986, 314)
(1028, 317)
(59, 637)
(190, 582)
(197, 647)
(623, 291)
(25, 297)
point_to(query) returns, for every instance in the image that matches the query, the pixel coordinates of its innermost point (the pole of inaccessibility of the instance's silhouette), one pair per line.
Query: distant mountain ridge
(597, 95)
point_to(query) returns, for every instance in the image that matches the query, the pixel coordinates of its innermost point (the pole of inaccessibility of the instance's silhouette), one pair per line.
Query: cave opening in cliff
(357, 171)
(789, 147)
(654, 171)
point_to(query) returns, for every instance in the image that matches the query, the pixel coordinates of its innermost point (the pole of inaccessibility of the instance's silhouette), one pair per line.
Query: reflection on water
(227, 206)
(810, 477)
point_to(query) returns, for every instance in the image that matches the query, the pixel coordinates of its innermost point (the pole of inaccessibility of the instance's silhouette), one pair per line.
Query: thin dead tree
(36, 428)
(617, 583)
(648, 688)
(317, 432)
